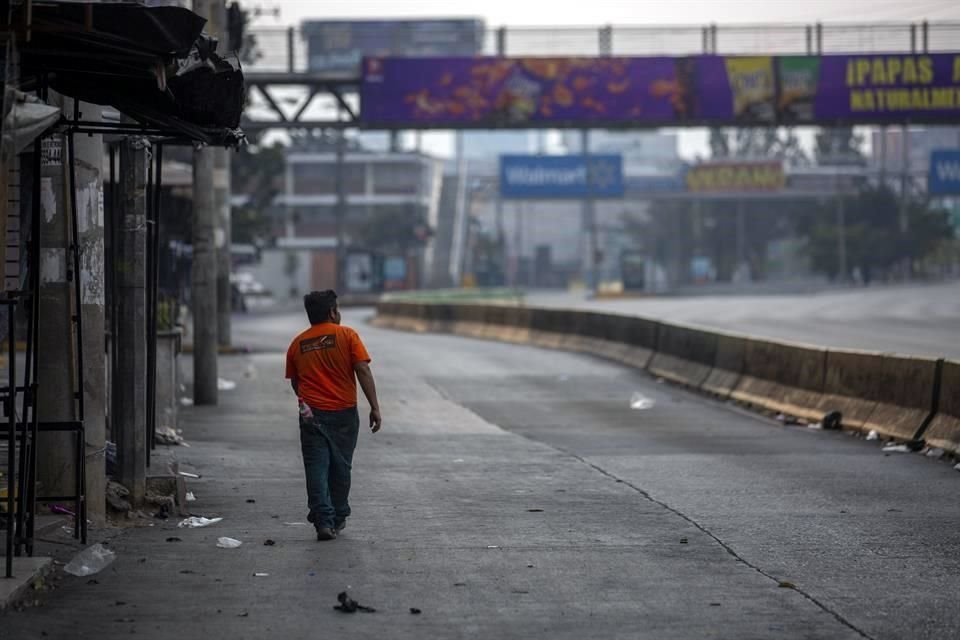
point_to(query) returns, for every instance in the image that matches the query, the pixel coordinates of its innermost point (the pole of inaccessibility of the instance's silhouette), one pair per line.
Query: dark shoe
(340, 526)
(326, 533)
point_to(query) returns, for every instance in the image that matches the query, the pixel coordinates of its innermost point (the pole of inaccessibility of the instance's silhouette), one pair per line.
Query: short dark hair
(319, 305)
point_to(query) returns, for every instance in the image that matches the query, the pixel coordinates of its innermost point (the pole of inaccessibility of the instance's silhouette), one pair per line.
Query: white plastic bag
(90, 561)
(194, 522)
(228, 543)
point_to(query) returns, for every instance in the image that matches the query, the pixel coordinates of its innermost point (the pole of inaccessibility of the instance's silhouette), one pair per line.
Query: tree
(758, 144)
(835, 146)
(874, 240)
(257, 173)
(390, 230)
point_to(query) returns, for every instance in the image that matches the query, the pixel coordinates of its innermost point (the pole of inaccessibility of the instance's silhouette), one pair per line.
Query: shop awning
(153, 64)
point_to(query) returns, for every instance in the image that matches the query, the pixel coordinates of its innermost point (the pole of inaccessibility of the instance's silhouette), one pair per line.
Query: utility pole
(216, 15)
(130, 334)
(88, 157)
(204, 274)
(223, 240)
(588, 223)
(55, 402)
(340, 208)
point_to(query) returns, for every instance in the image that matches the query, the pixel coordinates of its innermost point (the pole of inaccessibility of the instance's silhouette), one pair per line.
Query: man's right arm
(365, 378)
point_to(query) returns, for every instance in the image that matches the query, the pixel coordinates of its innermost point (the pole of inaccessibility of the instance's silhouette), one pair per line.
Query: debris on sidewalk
(225, 385)
(349, 605)
(228, 543)
(957, 467)
(187, 474)
(935, 452)
(191, 497)
(117, 497)
(295, 524)
(415, 611)
(195, 522)
(261, 575)
(269, 543)
(174, 539)
(169, 436)
(186, 402)
(833, 421)
(873, 435)
(91, 560)
(896, 448)
(640, 401)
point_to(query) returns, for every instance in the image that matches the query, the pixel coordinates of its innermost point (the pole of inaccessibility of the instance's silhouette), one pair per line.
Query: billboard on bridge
(561, 177)
(339, 46)
(466, 92)
(944, 178)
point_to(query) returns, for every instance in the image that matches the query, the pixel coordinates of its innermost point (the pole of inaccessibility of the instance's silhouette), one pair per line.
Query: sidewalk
(490, 534)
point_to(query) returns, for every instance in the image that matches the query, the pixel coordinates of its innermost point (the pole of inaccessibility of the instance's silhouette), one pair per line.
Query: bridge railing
(281, 49)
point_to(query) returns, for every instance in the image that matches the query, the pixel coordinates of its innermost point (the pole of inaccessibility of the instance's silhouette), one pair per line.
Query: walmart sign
(561, 177)
(944, 176)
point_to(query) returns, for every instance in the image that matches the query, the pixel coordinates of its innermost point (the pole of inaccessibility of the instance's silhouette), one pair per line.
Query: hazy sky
(592, 12)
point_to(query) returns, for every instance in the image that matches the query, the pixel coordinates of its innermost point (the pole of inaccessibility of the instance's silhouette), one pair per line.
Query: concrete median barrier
(944, 430)
(890, 394)
(549, 326)
(469, 320)
(893, 395)
(781, 377)
(905, 396)
(441, 317)
(727, 366)
(684, 355)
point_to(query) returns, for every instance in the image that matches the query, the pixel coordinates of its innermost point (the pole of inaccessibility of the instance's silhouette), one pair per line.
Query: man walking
(323, 365)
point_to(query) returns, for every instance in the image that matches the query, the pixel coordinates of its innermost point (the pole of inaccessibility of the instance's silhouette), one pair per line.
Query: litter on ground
(228, 543)
(195, 522)
(91, 560)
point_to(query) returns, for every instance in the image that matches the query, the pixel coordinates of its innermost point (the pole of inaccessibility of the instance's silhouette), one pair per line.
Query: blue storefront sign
(944, 176)
(561, 177)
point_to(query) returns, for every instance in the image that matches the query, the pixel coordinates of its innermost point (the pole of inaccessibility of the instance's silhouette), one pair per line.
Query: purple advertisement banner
(659, 91)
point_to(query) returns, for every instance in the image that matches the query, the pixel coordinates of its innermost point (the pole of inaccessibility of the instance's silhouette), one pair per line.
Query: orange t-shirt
(321, 359)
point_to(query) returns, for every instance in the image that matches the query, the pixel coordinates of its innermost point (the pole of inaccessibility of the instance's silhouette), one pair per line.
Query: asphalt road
(912, 320)
(513, 493)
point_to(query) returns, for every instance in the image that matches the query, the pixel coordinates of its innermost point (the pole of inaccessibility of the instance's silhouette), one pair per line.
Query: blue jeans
(327, 441)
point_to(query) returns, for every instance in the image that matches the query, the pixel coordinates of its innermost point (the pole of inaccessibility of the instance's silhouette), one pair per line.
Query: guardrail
(902, 398)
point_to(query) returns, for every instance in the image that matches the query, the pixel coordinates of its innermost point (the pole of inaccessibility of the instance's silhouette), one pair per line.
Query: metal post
(130, 341)
(713, 38)
(11, 409)
(809, 32)
(223, 241)
(588, 223)
(605, 40)
(203, 295)
(502, 41)
(705, 40)
(291, 40)
(819, 28)
(925, 36)
(458, 246)
(913, 38)
(741, 234)
(842, 238)
(340, 209)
